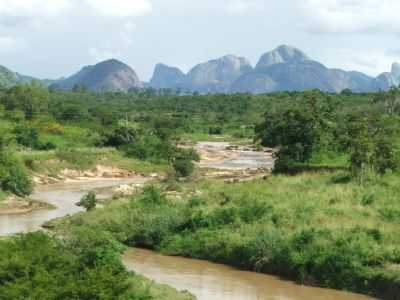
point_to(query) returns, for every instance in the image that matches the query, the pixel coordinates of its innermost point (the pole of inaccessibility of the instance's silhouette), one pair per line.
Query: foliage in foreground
(36, 266)
(13, 177)
(86, 266)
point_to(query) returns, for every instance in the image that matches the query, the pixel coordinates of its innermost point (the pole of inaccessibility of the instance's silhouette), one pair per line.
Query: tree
(298, 131)
(13, 177)
(371, 143)
(390, 100)
(30, 98)
(121, 136)
(183, 167)
(29, 137)
(88, 201)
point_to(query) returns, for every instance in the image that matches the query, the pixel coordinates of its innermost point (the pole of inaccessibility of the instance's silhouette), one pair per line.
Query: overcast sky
(54, 38)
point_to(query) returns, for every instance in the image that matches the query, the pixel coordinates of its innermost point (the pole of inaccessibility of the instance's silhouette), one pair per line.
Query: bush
(121, 136)
(17, 182)
(150, 148)
(88, 266)
(29, 137)
(152, 195)
(216, 130)
(54, 128)
(13, 177)
(88, 201)
(183, 167)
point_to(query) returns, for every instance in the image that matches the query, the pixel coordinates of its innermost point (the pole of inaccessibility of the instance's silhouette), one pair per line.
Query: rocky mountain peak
(282, 54)
(396, 70)
(218, 74)
(166, 77)
(110, 75)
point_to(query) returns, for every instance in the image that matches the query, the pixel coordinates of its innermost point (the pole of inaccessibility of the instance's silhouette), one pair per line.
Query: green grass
(3, 195)
(73, 136)
(316, 228)
(159, 291)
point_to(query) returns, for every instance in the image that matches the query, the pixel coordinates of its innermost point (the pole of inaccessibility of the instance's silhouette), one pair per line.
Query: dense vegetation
(85, 266)
(327, 216)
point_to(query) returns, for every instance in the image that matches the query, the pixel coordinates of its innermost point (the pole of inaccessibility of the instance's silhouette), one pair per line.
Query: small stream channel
(64, 197)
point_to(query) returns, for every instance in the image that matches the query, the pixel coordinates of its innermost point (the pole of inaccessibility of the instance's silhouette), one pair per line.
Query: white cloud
(130, 26)
(121, 8)
(127, 31)
(351, 16)
(103, 54)
(10, 44)
(14, 12)
(32, 8)
(244, 6)
(372, 61)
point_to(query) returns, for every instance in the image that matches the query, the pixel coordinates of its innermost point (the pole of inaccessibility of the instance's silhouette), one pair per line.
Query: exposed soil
(234, 163)
(15, 206)
(99, 172)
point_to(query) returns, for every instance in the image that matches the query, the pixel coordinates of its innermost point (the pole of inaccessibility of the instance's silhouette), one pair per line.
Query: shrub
(29, 137)
(121, 136)
(88, 266)
(88, 201)
(152, 195)
(54, 128)
(13, 177)
(216, 130)
(183, 167)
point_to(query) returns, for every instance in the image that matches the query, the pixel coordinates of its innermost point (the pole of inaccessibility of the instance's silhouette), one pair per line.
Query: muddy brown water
(209, 281)
(63, 196)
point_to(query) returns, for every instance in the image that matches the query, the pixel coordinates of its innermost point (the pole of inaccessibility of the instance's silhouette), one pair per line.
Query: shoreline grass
(315, 228)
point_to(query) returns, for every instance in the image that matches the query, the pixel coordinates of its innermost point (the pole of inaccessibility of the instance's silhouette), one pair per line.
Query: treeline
(315, 126)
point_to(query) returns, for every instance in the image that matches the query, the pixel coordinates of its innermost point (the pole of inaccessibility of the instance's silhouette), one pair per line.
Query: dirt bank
(98, 172)
(15, 205)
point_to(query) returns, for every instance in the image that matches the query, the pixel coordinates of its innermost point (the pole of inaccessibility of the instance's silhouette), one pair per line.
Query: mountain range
(283, 69)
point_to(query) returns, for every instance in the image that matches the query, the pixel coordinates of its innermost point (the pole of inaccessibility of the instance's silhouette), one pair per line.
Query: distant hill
(107, 76)
(288, 68)
(284, 68)
(9, 78)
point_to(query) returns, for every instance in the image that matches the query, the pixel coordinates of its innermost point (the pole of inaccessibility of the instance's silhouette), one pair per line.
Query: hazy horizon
(55, 38)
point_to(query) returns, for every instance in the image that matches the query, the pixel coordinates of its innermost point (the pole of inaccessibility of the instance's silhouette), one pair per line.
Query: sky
(55, 38)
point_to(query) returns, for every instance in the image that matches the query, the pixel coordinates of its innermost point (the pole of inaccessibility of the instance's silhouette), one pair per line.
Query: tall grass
(316, 228)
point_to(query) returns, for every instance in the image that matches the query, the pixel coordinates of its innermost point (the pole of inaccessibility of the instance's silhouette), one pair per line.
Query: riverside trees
(314, 126)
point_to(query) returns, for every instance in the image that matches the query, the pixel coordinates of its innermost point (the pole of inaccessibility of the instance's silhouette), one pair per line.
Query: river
(63, 196)
(207, 281)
